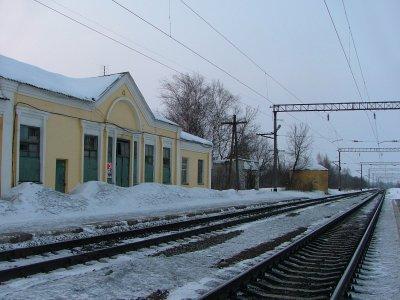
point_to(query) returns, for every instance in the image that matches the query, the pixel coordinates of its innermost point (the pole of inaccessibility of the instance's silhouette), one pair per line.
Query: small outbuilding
(249, 174)
(311, 178)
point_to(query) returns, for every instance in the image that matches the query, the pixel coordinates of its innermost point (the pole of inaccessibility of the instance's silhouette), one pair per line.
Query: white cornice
(195, 147)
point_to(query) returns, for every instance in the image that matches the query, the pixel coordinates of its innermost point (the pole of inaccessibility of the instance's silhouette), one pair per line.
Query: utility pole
(273, 135)
(275, 170)
(361, 178)
(340, 175)
(234, 142)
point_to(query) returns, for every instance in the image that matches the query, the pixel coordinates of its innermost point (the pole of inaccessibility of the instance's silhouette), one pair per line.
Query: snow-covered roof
(314, 167)
(193, 138)
(161, 118)
(91, 88)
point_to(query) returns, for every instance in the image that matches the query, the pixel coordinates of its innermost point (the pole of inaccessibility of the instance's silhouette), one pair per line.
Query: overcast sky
(294, 41)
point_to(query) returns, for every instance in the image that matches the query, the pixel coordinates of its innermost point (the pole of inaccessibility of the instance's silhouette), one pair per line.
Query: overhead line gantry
(332, 106)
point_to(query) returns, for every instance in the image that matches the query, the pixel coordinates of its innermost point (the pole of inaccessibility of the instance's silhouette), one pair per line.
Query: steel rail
(62, 262)
(227, 289)
(68, 244)
(346, 280)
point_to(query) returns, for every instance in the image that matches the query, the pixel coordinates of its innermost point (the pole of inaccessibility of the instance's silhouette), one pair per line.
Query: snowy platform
(380, 275)
(182, 269)
(31, 207)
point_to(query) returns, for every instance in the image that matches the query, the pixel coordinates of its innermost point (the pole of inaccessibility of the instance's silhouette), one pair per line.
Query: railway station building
(62, 131)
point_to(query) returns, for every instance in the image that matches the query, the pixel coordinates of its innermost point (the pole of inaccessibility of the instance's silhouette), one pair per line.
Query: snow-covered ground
(380, 276)
(185, 275)
(31, 206)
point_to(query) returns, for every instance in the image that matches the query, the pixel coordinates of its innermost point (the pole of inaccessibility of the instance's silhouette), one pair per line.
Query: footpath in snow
(34, 206)
(380, 275)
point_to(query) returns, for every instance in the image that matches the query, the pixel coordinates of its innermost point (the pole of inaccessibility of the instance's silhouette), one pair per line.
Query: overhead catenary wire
(242, 52)
(148, 56)
(119, 35)
(191, 50)
(123, 44)
(358, 60)
(348, 64)
(157, 28)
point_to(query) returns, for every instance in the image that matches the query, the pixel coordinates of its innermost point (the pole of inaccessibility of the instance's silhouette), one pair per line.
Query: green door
(122, 163)
(149, 163)
(60, 175)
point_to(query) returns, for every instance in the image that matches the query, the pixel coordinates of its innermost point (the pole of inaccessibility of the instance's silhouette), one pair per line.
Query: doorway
(60, 175)
(122, 163)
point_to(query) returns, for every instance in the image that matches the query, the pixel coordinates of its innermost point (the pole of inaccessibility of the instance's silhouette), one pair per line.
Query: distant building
(249, 174)
(62, 131)
(311, 178)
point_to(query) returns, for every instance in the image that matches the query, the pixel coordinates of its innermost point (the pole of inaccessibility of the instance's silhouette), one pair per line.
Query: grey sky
(293, 40)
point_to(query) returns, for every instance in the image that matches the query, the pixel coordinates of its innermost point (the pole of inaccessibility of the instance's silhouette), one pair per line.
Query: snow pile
(83, 88)
(95, 200)
(29, 199)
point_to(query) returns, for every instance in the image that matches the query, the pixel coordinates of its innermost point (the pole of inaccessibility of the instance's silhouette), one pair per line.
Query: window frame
(146, 146)
(169, 165)
(28, 142)
(184, 179)
(200, 177)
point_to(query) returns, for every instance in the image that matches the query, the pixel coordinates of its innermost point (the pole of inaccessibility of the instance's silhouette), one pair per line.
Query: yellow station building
(63, 131)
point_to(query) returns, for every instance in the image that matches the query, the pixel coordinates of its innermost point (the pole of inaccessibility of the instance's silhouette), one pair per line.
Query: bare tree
(187, 102)
(299, 143)
(263, 153)
(222, 106)
(200, 107)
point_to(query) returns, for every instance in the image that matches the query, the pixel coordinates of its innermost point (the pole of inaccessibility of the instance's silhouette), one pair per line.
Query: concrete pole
(275, 170)
(340, 174)
(236, 153)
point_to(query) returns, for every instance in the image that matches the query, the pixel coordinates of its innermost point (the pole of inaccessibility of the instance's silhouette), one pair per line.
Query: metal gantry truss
(381, 163)
(370, 149)
(367, 149)
(337, 106)
(333, 106)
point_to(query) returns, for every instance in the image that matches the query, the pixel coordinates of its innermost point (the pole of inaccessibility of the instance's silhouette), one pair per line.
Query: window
(166, 165)
(29, 154)
(184, 175)
(200, 171)
(135, 162)
(90, 166)
(110, 160)
(149, 163)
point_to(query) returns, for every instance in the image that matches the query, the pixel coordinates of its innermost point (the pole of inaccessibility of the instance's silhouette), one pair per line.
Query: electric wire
(127, 46)
(348, 64)
(119, 35)
(358, 61)
(202, 57)
(267, 74)
(151, 58)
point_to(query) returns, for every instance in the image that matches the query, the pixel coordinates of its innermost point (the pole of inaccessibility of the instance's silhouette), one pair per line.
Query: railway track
(320, 265)
(22, 262)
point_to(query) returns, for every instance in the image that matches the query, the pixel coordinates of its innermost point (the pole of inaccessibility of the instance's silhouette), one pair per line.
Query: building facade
(249, 174)
(311, 178)
(63, 131)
